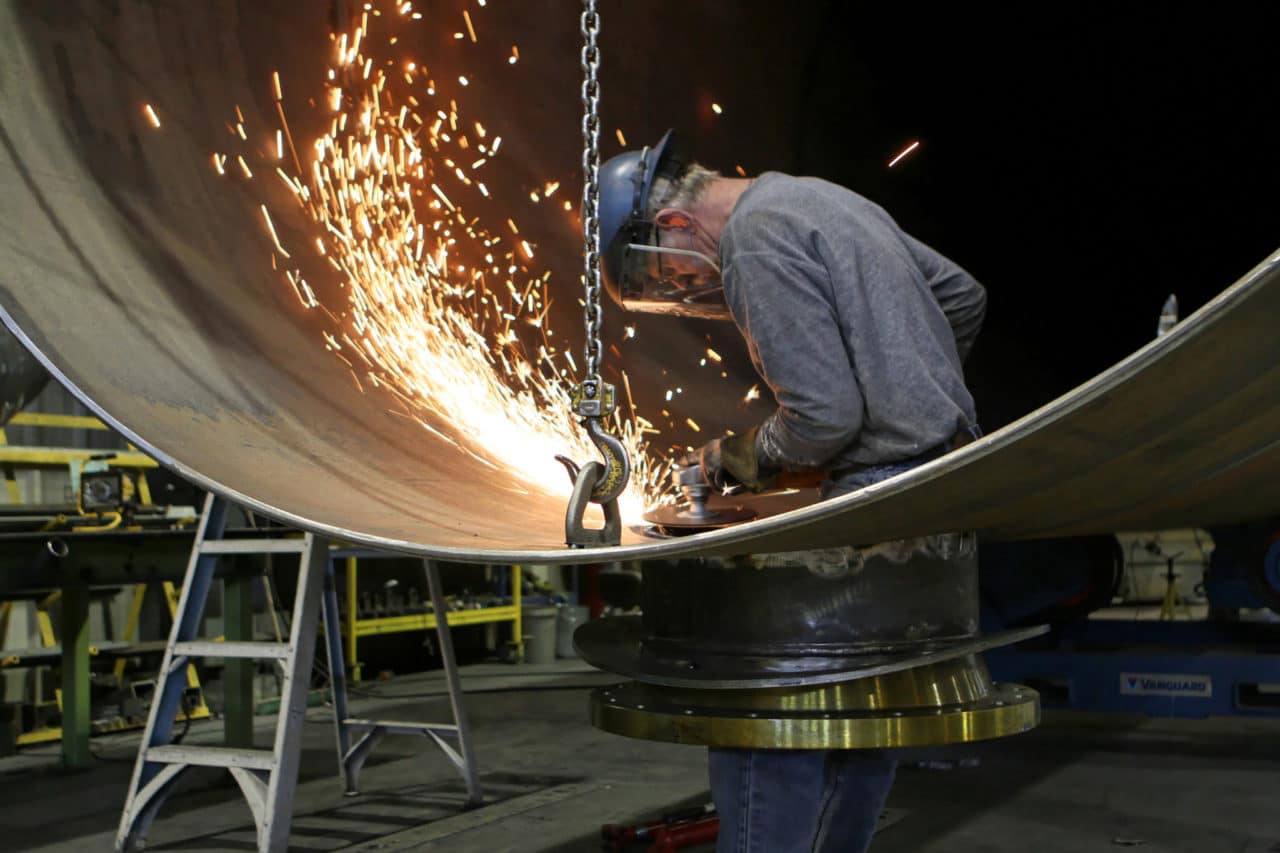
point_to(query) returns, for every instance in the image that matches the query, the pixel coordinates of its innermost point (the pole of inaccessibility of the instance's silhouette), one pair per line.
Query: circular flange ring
(643, 711)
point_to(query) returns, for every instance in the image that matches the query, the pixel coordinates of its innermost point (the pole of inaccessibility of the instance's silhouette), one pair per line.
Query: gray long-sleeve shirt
(857, 327)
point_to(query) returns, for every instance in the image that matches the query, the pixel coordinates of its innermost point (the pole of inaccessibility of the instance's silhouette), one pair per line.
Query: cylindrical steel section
(894, 597)
(21, 377)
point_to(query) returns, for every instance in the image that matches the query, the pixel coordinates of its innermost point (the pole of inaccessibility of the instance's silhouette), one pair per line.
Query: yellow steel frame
(40, 457)
(200, 711)
(47, 734)
(14, 457)
(354, 627)
(38, 419)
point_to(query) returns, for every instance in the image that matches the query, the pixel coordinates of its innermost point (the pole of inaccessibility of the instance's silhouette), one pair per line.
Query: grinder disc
(679, 520)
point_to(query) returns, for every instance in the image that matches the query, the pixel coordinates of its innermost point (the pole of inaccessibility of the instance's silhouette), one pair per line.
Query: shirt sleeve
(962, 298)
(779, 301)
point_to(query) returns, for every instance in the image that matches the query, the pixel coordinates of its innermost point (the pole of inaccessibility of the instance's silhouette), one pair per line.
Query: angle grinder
(693, 514)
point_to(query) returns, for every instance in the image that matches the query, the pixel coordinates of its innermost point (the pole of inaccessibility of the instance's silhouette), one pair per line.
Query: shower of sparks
(622, 140)
(151, 115)
(912, 147)
(445, 318)
(753, 393)
(717, 109)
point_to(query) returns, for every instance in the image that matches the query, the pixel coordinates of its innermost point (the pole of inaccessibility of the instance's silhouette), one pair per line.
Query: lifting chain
(591, 179)
(594, 399)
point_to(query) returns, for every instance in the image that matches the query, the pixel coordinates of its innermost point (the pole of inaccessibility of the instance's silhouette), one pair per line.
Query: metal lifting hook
(576, 533)
(596, 482)
(617, 465)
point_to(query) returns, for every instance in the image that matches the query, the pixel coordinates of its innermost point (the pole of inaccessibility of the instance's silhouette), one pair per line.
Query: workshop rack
(74, 654)
(354, 627)
(15, 457)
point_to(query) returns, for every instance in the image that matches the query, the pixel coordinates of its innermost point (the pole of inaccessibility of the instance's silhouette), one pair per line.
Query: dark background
(1082, 163)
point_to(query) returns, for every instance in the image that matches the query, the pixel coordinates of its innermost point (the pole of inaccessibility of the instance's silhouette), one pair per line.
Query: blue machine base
(1162, 669)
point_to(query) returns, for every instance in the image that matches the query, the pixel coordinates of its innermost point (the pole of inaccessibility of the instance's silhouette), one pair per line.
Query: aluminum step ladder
(267, 777)
(357, 738)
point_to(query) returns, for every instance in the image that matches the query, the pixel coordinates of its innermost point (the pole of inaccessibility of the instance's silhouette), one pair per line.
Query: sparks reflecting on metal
(442, 318)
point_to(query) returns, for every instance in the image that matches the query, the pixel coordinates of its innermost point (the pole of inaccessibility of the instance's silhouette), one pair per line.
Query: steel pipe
(144, 281)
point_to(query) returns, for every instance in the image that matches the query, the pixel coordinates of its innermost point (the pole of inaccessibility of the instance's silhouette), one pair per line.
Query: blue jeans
(798, 801)
(803, 801)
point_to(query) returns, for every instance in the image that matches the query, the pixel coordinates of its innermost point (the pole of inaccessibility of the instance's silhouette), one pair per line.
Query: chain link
(590, 29)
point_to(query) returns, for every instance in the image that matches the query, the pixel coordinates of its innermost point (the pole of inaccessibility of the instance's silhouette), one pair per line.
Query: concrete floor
(1077, 784)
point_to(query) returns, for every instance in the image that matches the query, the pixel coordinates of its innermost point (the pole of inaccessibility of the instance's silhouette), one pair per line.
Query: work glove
(731, 461)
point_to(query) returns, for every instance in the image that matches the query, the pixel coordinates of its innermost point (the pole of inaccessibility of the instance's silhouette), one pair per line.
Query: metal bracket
(594, 398)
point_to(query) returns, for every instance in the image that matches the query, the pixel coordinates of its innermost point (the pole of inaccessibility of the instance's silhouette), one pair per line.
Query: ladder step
(232, 649)
(253, 546)
(397, 727)
(213, 756)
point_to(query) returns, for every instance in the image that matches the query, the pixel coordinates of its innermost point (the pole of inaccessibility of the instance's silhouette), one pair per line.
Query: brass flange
(952, 701)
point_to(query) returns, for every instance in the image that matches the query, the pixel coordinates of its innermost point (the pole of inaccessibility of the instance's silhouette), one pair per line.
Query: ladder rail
(293, 695)
(267, 778)
(467, 765)
(186, 623)
(357, 738)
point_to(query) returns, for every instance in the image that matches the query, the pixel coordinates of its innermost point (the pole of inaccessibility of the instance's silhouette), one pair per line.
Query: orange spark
(912, 147)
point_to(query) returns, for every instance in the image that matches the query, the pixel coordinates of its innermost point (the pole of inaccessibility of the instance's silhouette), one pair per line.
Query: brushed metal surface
(142, 281)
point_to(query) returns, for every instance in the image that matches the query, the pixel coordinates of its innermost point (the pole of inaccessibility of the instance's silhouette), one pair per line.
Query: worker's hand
(731, 461)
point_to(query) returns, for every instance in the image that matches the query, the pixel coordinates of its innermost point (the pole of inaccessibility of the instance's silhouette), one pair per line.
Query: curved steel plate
(142, 280)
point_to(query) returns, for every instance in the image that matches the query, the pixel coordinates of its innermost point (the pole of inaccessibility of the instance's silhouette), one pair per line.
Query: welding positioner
(842, 648)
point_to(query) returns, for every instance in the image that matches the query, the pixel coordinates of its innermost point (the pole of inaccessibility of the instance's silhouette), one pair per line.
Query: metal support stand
(237, 674)
(357, 738)
(75, 677)
(267, 777)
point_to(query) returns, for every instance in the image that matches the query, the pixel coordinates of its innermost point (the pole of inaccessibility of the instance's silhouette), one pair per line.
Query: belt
(966, 435)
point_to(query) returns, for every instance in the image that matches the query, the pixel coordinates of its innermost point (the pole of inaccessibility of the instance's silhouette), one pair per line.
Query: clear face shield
(663, 280)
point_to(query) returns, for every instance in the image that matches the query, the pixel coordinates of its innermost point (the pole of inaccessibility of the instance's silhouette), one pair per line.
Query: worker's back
(856, 326)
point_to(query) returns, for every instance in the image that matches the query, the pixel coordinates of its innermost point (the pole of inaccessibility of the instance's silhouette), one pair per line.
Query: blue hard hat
(625, 183)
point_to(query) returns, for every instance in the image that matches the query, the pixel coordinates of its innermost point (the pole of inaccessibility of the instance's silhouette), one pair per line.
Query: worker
(860, 331)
